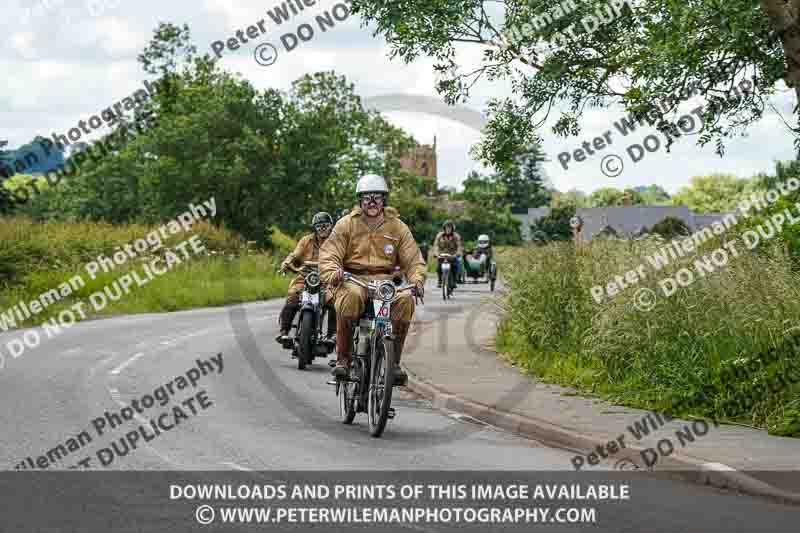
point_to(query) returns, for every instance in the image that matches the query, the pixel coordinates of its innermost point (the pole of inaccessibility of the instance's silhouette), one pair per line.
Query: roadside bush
(36, 257)
(670, 228)
(27, 246)
(675, 354)
(555, 226)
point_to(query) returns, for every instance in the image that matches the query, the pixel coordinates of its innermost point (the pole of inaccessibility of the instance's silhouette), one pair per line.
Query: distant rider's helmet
(371, 183)
(448, 224)
(483, 241)
(322, 223)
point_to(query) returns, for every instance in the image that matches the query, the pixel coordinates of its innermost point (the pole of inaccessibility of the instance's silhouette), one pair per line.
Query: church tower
(421, 161)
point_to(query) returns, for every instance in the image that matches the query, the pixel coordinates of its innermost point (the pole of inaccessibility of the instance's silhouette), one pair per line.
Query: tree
(6, 201)
(670, 228)
(487, 191)
(502, 227)
(789, 235)
(611, 197)
(556, 224)
(267, 157)
(573, 197)
(418, 213)
(653, 194)
(715, 193)
(649, 49)
(606, 197)
(523, 182)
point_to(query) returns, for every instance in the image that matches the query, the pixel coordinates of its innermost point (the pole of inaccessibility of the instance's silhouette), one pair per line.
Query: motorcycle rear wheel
(381, 384)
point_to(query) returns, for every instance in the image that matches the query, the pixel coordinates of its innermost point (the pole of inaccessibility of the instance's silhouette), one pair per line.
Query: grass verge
(717, 348)
(227, 273)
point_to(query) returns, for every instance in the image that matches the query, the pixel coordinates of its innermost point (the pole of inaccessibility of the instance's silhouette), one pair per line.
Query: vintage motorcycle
(475, 269)
(307, 343)
(368, 387)
(448, 274)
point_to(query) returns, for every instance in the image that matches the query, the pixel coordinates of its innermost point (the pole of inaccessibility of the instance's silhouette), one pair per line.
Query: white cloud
(68, 65)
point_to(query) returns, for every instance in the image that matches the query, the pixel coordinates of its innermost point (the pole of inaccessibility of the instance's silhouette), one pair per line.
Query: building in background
(624, 221)
(421, 161)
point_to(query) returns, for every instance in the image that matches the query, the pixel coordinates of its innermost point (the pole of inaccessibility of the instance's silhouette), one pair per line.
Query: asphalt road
(267, 415)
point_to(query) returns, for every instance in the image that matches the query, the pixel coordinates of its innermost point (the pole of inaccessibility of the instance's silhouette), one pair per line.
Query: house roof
(628, 221)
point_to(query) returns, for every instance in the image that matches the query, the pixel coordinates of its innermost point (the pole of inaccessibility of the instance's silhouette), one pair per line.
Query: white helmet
(483, 241)
(371, 183)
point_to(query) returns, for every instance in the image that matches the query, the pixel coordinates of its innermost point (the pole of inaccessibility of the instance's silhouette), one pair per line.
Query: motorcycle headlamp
(386, 291)
(312, 280)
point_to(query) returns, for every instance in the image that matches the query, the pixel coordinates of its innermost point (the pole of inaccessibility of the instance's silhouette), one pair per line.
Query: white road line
(116, 397)
(97, 366)
(237, 467)
(119, 369)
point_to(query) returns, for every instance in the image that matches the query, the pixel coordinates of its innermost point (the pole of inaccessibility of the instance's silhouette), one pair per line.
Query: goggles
(375, 197)
(323, 227)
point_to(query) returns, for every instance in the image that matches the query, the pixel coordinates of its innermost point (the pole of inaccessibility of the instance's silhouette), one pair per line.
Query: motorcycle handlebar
(396, 280)
(300, 270)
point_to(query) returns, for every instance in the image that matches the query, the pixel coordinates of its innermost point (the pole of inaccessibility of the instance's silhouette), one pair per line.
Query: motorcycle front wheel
(381, 384)
(304, 355)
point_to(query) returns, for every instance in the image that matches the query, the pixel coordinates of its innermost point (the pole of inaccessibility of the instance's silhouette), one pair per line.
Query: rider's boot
(345, 330)
(287, 317)
(400, 331)
(330, 338)
(282, 338)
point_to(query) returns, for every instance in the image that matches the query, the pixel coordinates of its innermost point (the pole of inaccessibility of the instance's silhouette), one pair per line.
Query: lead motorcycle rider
(369, 243)
(307, 249)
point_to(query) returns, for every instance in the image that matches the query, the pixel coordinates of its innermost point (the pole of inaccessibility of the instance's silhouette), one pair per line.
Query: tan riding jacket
(307, 249)
(453, 246)
(354, 247)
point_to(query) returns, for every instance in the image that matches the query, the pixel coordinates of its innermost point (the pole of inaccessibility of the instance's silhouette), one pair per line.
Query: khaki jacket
(452, 246)
(307, 249)
(352, 246)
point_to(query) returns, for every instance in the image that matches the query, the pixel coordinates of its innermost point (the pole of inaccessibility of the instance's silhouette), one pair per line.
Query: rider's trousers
(350, 300)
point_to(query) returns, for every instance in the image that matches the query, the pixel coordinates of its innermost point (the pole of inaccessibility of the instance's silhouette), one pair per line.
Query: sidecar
(474, 268)
(480, 271)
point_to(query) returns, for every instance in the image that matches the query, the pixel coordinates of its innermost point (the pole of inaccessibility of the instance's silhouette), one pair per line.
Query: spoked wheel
(380, 386)
(347, 400)
(492, 279)
(306, 340)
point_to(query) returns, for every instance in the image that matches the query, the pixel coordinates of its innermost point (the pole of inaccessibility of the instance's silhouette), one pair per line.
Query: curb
(675, 467)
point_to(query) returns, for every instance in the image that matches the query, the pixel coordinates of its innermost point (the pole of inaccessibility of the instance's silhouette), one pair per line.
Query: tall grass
(680, 352)
(38, 257)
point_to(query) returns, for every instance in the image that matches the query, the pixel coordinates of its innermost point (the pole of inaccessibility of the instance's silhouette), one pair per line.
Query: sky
(71, 59)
